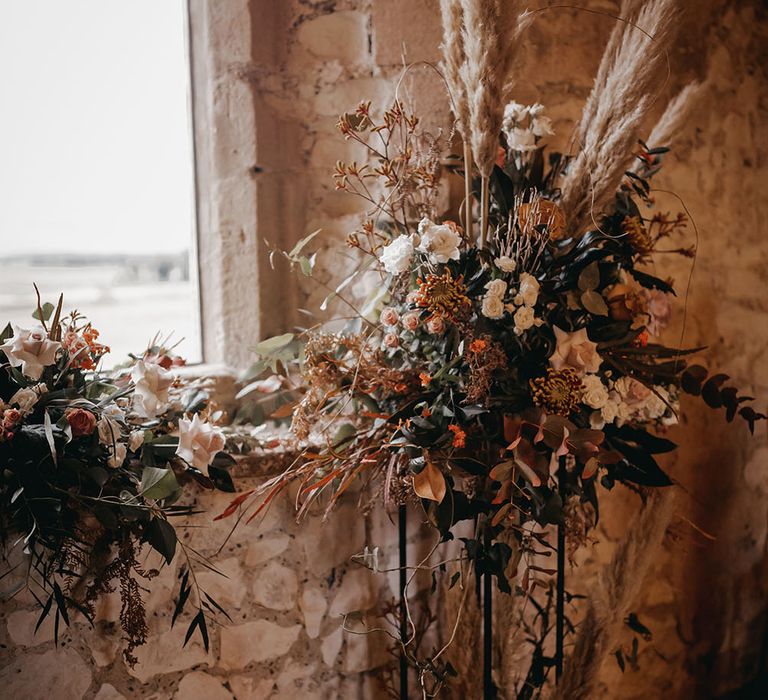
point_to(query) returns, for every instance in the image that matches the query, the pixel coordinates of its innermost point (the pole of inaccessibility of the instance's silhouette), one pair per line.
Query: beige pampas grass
(672, 121)
(618, 586)
(465, 649)
(453, 60)
(633, 67)
(491, 32)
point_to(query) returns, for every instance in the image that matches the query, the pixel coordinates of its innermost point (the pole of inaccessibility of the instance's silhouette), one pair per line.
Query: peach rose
(575, 350)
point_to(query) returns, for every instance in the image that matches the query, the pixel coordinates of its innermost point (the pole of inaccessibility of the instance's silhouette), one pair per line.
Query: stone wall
(283, 71)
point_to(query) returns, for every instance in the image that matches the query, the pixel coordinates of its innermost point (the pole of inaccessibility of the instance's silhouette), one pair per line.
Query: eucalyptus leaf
(594, 303)
(157, 483)
(47, 310)
(271, 345)
(589, 278)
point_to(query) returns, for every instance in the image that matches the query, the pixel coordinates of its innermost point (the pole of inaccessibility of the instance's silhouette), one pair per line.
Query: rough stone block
(406, 28)
(359, 590)
(201, 686)
(255, 642)
(341, 35)
(58, 674)
(276, 587)
(313, 604)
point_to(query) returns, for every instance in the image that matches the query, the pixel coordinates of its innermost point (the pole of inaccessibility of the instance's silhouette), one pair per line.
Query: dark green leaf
(61, 603)
(184, 590)
(161, 536)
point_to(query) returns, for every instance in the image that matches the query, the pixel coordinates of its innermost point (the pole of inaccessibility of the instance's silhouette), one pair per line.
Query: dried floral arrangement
(94, 464)
(506, 370)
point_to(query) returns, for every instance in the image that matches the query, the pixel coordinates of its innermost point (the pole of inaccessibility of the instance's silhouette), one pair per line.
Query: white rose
(110, 424)
(439, 241)
(496, 288)
(610, 410)
(524, 319)
(117, 455)
(514, 112)
(31, 350)
(493, 306)
(505, 263)
(396, 257)
(624, 413)
(529, 289)
(151, 388)
(542, 126)
(199, 442)
(25, 399)
(654, 406)
(595, 393)
(520, 139)
(135, 440)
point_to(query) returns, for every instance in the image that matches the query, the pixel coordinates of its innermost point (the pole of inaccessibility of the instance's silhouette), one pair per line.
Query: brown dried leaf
(429, 483)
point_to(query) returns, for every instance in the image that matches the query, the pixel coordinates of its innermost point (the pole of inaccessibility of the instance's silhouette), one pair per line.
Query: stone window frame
(240, 179)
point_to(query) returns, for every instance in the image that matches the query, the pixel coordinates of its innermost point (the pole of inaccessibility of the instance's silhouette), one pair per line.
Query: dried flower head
(542, 212)
(484, 357)
(559, 392)
(444, 295)
(637, 235)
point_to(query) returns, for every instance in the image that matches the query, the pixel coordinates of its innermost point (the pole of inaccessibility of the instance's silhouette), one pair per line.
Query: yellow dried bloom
(559, 392)
(637, 235)
(444, 296)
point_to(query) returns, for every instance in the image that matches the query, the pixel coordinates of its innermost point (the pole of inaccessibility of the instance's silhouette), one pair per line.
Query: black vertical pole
(489, 689)
(401, 522)
(560, 601)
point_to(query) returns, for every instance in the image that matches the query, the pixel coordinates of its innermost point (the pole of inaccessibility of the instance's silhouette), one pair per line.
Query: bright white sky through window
(96, 160)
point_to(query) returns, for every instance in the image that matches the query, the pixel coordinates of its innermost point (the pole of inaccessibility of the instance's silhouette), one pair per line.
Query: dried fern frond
(618, 586)
(632, 69)
(675, 115)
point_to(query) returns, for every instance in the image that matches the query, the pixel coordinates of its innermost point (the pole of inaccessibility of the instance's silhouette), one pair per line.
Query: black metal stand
(489, 689)
(401, 523)
(560, 600)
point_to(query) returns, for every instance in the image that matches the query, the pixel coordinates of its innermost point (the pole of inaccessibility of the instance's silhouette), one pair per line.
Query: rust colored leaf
(429, 483)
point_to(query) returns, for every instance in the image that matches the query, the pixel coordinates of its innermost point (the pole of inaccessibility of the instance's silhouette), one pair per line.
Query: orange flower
(478, 345)
(642, 340)
(425, 379)
(459, 436)
(425, 412)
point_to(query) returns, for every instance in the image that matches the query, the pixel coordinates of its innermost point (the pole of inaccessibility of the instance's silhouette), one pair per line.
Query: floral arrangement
(507, 368)
(94, 464)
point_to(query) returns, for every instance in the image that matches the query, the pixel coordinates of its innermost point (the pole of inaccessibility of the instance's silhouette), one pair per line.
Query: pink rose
(575, 350)
(632, 391)
(659, 311)
(389, 317)
(391, 340)
(411, 320)
(436, 325)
